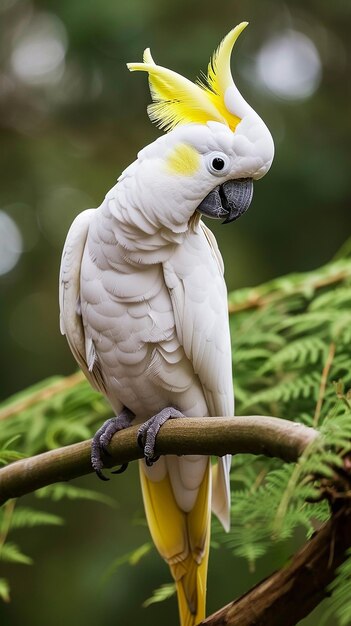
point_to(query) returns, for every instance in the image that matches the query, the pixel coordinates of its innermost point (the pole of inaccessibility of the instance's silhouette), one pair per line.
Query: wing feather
(194, 277)
(71, 323)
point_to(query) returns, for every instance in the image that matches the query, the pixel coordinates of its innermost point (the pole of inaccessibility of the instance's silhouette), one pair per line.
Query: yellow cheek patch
(183, 160)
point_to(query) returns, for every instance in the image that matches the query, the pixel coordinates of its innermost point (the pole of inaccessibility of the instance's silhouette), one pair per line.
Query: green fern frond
(24, 517)
(11, 553)
(247, 543)
(131, 558)
(297, 354)
(334, 299)
(339, 606)
(253, 354)
(273, 340)
(8, 456)
(65, 432)
(4, 590)
(58, 491)
(296, 387)
(302, 324)
(160, 594)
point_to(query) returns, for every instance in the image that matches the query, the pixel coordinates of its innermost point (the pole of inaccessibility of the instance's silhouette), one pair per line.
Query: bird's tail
(182, 539)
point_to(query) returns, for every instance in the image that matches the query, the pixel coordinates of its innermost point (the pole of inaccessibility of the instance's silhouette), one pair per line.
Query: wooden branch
(293, 592)
(286, 596)
(269, 436)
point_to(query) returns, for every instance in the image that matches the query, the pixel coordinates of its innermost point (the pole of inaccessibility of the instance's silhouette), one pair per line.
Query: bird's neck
(143, 239)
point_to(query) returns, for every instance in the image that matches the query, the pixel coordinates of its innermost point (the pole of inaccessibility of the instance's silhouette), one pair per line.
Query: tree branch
(293, 592)
(270, 603)
(270, 436)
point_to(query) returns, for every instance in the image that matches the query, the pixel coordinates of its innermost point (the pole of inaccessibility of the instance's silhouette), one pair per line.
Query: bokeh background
(71, 118)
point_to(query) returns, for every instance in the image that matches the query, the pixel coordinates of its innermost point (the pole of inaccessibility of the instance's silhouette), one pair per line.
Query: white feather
(143, 298)
(71, 323)
(194, 276)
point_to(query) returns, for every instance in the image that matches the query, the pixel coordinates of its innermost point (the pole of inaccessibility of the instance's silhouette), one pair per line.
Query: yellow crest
(176, 100)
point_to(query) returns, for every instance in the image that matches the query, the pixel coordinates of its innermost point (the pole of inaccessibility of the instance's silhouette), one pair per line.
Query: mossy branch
(269, 436)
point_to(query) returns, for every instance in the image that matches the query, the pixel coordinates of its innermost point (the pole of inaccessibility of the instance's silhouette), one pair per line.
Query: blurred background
(71, 119)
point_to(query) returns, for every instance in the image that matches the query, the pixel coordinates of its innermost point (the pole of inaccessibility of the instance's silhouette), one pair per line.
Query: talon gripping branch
(144, 304)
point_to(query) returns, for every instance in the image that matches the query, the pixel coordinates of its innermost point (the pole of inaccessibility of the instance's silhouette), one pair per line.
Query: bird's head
(215, 146)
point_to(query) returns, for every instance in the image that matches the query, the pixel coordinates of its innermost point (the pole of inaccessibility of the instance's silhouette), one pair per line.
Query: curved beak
(229, 200)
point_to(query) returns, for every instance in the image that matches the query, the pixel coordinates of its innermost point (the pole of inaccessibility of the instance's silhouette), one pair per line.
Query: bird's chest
(128, 318)
(124, 311)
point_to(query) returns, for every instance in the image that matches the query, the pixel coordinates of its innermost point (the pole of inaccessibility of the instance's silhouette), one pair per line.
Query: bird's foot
(148, 431)
(102, 438)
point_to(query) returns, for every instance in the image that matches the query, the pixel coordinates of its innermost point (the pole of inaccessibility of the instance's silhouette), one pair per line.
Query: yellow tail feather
(182, 539)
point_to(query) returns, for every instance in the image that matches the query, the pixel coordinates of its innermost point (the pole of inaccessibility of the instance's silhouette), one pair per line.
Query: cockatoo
(143, 300)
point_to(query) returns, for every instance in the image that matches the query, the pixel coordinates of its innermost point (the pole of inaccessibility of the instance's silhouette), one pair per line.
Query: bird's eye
(218, 164)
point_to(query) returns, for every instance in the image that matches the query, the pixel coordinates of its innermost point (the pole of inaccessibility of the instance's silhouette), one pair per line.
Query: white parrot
(144, 304)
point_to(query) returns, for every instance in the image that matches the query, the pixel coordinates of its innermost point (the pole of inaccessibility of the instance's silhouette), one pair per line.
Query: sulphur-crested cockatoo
(144, 304)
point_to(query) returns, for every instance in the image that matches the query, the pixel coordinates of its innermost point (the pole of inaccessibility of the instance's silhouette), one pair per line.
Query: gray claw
(100, 475)
(148, 432)
(102, 439)
(140, 440)
(150, 461)
(121, 469)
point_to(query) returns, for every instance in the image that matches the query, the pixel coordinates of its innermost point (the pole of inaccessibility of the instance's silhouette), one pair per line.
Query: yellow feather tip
(147, 57)
(176, 100)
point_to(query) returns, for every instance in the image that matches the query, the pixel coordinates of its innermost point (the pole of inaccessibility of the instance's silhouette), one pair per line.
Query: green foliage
(25, 517)
(291, 342)
(297, 320)
(14, 517)
(160, 594)
(59, 491)
(131, 558)
(340, 603)
(271, 500)
(304, 323)
(10, 552)
(4, 590)
(54, 413)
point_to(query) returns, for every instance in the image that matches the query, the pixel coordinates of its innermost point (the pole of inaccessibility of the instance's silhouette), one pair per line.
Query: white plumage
(143, 300)
(158, 332)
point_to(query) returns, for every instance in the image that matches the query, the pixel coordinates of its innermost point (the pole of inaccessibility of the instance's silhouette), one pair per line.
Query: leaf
(339, 606)
(11, 441)
(64, 432)
(297, 387)
(24, 517)
(12, 554)
(298, 353)
(58, 491)
(8, 456)
(4, 590)
(160, 594)
(132, 558)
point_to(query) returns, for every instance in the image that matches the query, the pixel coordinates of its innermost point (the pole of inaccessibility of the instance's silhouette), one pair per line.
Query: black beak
(228, 201)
